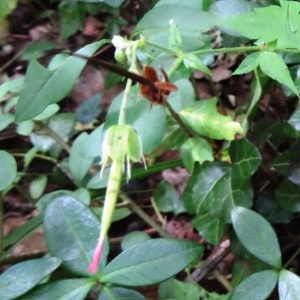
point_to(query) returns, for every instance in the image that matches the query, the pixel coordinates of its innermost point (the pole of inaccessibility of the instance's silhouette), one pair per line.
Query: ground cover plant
(187, 181)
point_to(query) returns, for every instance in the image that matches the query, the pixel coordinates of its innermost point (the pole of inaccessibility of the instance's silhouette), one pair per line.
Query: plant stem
(54, 135)
(292, 258)
(135, 208)
(177, 118)
(1, 221)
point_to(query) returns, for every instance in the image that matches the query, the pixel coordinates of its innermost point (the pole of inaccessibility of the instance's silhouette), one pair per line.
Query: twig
(135, 208)
(207, 267)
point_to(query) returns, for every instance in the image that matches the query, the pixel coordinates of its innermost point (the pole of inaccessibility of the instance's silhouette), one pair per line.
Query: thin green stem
(292, 258)
(164, 49)
(175, 65)
(228, 50)
(122, 115)
(48, 131)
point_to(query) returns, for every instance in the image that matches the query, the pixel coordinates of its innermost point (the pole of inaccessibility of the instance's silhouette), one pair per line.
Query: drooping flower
(121, 146)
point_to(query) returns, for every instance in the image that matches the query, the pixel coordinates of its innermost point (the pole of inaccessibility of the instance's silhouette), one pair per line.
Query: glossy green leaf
(194, 62)
(38, 186)
(89, 109)
(36, 49)
(288, 196)
(43, 87)
(282, 163)
(282, 24)
(295, 119)
(133, 238)
(76, 228)
(258, 286)
(79, 161)
(274, 66)
(288, 285)
(195, 150)
(184, 95)
(8, 170)
(13, 85)
(215, 188)
(227, 8)
(62, 124)
(48, 112)
(245, 161)
(151, 262)
(22, 277)
(25, 127)
(250, 63)
(268, 206)
(139, 115)
(204, 119)
(176, 290)
(155, 24)
(5, 120)
(68, 289)
(256, 235)
(210, 226)
(118, 293)
(6, 7)
(167, 198)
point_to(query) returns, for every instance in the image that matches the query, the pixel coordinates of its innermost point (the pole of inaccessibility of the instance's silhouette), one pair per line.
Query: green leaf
(133, 238)
(74, 225)
(6, 7)
(204, 119)
(167, 198)
(283, 23)
(13, 86)
(246, 160)
(258, 286)
(8, 170)
(68, 289)
(194, 62)
(119, 293)
(22, 277)
(288, 196)
(5, 120)
(177, 290)
(211, 227)
(268, 206)
(37, 186)
(274, 66)
(250, 63)
(215, 188)
(151, 262)
(62, 124)
(43, 87)
(79, 160)
(25, 127)
(89, 109)
(194, 150)
(288, 285)
(256, 235)
(227, 8)
(295, 119)
(155, 24)
(183, 97)
(36, 49)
